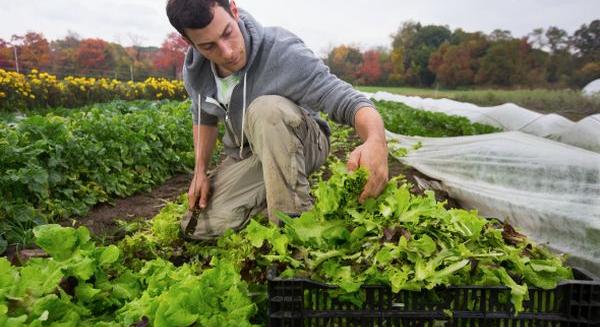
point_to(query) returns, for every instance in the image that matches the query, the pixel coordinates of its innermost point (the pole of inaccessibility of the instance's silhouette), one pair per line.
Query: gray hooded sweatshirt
(278, 63)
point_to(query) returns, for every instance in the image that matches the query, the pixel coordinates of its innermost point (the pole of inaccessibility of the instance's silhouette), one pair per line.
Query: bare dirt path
(101, 220)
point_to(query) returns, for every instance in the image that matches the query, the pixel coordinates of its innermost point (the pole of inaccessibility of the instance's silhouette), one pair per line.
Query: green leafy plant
(85, 284)
(56, 167)
(399, 239)
(405, 241)
(402, 119)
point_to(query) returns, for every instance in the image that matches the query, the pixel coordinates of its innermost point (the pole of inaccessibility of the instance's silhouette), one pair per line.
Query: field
(568, 103)
(113, 177)
(97, 155)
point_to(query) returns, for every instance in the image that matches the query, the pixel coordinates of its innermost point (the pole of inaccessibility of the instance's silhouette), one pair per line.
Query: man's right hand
(198, 192)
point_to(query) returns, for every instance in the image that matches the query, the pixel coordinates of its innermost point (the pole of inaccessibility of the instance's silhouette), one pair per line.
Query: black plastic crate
(301, 302)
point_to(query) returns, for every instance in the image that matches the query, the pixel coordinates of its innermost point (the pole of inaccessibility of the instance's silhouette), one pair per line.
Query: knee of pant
(212, 224)
(270, 109)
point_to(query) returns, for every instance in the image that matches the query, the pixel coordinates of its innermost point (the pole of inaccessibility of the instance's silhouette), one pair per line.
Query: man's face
(221, 41)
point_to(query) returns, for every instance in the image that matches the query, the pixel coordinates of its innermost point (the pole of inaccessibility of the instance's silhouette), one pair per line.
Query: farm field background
(42, 92)
(571, 104)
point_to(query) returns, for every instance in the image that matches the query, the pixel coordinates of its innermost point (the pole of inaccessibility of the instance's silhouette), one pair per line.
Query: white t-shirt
(225, 86)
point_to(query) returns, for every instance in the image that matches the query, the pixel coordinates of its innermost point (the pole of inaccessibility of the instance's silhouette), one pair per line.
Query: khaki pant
(287, 145)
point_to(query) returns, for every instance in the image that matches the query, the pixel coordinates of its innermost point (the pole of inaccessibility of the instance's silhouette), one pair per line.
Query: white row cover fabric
(592, 89)
(584, 134)
(549, 190)
(511, 117)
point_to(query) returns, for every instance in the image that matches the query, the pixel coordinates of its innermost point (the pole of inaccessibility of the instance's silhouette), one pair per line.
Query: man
(266, 86)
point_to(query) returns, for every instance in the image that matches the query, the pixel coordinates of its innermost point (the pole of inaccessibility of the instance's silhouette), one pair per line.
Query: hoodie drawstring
(197, 146)
(243, 118)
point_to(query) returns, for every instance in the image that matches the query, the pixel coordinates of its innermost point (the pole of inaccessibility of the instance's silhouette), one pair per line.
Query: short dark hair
(193, 13)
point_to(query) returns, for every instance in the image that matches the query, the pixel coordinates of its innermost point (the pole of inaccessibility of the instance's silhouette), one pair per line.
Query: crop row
(402, 119)
(55, 167)
(404, 241)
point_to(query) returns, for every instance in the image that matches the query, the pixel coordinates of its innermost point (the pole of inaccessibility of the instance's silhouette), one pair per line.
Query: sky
(322, 24)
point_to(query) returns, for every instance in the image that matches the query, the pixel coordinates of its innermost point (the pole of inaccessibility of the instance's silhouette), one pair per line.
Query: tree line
(93, 57)
(432, 55)
(419, 55)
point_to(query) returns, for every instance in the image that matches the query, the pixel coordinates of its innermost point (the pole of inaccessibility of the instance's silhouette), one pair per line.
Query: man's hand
(373, 157)
(205, 138)
(198, 192)
(372, 154)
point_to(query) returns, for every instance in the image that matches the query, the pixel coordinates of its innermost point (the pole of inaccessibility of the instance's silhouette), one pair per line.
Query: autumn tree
(536, 65)
(456, 62)
(500, 35)
(135, 51)
(459, 36)
(586, 41)
(93, 55)
(416, 43)
(144, 67)
(385, 61)
(6, 59)
(344, 61)
(498, 65)
(405, 36)
(122, 63)
(34, 51)
(452, 65)
(370, 70)
(589, 72)
(402, 40)
(63, 54)
(560, 61)
(140, 59)
(510, 63)
(558, 39)
(169, 58)
(396, 73)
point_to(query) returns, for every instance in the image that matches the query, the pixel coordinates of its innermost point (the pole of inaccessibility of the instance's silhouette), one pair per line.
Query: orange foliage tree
(169, 58)
(370, 70)
(344, 61)
(93, 55)
(33, 50)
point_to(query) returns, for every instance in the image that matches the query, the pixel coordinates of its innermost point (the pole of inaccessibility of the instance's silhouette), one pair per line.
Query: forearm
(369, 125)
(204, 145)
(372, 154)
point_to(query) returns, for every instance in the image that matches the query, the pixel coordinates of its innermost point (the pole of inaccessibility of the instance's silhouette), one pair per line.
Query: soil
(102, 219)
